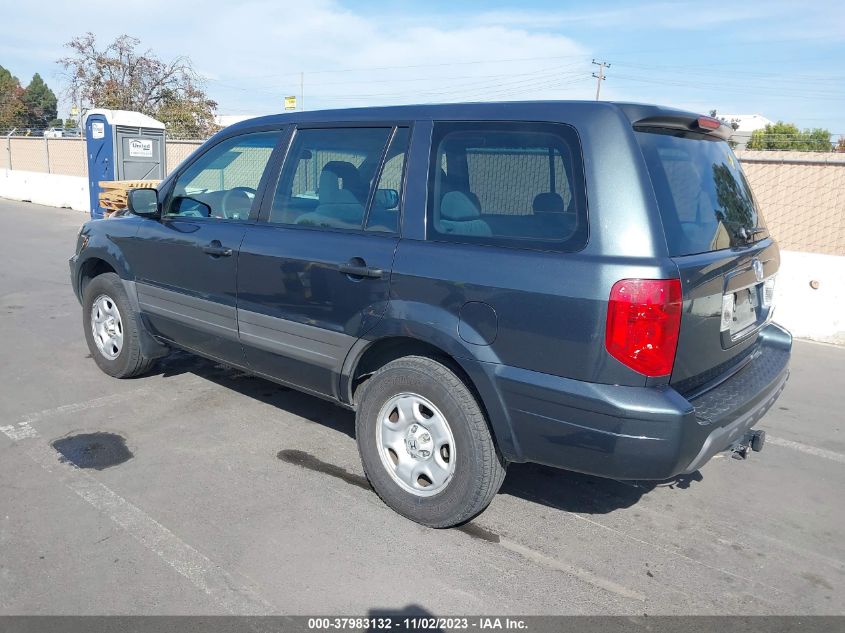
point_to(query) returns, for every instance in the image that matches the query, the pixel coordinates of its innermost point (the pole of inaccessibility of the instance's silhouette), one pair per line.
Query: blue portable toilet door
(100, 151)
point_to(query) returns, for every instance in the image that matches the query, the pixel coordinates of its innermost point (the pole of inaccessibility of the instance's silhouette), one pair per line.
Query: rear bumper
(638, 432)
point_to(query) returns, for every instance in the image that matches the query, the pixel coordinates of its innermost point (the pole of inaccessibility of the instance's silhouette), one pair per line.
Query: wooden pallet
(114, 193)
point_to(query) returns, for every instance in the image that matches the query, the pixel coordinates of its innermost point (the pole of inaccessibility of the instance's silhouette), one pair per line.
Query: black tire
(130, 361)
(479, 469)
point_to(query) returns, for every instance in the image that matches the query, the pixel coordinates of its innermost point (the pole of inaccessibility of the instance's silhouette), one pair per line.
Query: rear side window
(705, 201)
(328, 175)
(507, 184)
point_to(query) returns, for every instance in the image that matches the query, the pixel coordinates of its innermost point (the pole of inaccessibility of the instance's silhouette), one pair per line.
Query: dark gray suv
(580, 284)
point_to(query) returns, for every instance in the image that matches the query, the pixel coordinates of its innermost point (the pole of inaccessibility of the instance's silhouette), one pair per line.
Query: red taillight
(709, 123)
(643, 321)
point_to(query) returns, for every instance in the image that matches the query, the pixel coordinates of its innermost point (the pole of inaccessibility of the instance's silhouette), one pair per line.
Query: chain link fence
(67, 155)
(801, 194)
(177, 151)
(64, 156)
(802, 197)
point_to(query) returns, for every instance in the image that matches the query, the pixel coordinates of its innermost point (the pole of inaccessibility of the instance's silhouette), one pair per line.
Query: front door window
(223, 182)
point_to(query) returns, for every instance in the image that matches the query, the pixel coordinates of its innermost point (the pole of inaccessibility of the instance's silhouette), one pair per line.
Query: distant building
(747, 124)
(225, 120)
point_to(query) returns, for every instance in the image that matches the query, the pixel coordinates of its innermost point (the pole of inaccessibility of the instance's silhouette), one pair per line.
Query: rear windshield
(705, 201)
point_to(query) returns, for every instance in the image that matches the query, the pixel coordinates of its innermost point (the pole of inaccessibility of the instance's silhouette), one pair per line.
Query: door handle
(215, 249)
(359, 270)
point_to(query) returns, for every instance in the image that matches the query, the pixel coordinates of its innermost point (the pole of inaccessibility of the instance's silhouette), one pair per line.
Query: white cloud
(330, 42)
(251, 53)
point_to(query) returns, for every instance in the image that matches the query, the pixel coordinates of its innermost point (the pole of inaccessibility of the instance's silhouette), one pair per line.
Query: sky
(782, 59)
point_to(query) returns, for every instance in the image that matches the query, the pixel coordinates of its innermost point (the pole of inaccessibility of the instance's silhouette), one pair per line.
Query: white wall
(808, 313)
(52, 190)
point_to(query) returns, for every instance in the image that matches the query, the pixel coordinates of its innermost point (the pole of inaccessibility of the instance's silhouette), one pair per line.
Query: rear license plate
(745, 310)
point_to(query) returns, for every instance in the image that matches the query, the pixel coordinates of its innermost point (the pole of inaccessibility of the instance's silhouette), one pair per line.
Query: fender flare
(438, 329)
(150, 347)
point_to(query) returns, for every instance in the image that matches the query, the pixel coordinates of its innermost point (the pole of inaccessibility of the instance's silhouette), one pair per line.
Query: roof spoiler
(690, 123)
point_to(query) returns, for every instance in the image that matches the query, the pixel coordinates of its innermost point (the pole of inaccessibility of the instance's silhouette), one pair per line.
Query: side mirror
(143, 202)
(386, 198)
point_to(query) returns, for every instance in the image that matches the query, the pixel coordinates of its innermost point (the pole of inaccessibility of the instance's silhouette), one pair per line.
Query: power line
(719, 69)
(438, 77)
(515, 86)
(767, 88)
(435, 65)
(526, 81)
(452, 79)
(480, 82)
(275, 76)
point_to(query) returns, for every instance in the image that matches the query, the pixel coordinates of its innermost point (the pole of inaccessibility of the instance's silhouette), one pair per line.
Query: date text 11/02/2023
(422, 623)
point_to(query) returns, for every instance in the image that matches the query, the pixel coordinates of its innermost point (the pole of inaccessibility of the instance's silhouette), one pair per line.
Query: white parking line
(76, 407)
(572, 570)
(19, 431)
(807, 449)
(234, 596)
(24, 429)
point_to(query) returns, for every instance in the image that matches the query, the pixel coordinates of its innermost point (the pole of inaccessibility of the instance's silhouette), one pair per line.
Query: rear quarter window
(512, 184)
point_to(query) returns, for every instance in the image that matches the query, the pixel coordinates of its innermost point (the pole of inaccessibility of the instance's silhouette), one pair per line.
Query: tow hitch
(753, 440)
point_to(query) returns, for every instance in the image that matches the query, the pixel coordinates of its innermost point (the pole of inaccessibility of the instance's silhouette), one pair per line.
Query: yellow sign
(74, 111)
(290, 103)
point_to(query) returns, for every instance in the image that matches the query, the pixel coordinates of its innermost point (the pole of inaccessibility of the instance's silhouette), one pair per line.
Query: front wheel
(425, 444)
(111, 328)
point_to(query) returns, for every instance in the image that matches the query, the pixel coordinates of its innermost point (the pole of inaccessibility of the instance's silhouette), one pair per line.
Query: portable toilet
(122, 145)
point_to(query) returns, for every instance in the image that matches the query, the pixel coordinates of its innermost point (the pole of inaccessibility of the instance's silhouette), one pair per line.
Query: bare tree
(119, 77)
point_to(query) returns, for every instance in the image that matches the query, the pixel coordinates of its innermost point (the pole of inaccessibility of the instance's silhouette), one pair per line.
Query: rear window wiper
(748, 233)
(744, 232)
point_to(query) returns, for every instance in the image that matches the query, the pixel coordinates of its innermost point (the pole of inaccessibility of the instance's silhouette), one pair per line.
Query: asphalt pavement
(207, 491)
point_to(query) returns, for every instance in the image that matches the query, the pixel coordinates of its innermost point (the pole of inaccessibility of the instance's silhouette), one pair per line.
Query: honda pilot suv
(584, 285)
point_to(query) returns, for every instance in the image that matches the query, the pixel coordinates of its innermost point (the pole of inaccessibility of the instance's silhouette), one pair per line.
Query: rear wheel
(111, 328)
(425, 444)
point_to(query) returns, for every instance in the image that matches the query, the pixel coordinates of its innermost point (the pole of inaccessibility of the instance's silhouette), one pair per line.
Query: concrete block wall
(812, 313)
(53, 190)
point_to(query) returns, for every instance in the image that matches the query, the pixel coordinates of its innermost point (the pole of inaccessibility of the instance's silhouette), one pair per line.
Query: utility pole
(302, 91)
(600, 77)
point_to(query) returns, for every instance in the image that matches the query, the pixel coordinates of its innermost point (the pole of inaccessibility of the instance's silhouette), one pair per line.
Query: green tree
(40, 103)
(787, 136)
(12, 109)
(120, 77)
(818, 140)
